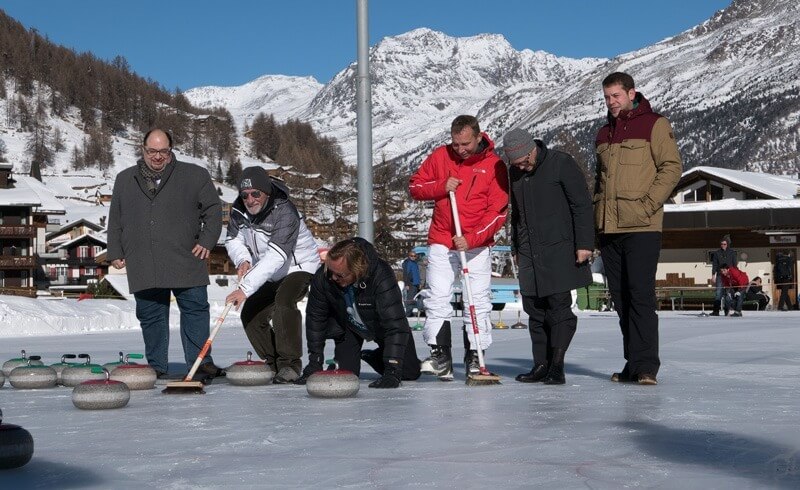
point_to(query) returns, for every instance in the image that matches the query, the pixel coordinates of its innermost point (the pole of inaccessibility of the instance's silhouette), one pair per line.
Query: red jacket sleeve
(427, 183)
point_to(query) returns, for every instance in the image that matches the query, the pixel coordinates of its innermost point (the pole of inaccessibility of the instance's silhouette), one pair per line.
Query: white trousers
(444, 266)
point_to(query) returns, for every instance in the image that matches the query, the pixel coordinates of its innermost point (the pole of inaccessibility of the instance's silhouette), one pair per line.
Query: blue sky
(183, 43)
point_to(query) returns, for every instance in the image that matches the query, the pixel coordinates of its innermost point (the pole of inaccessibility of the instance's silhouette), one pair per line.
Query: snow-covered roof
(77, 239)
(775, 186)
(120, 284)
(28, 191)
(733, 205)
(74, 224)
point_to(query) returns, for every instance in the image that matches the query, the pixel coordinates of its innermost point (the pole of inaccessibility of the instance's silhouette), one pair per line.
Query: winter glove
(314, 365)
(391, 375)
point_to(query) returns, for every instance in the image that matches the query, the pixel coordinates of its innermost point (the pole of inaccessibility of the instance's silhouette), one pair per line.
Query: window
(96, 250)
(90, 271)
(83, 251)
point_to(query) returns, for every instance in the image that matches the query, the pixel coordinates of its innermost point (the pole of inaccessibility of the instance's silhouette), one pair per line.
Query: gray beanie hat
(255, 178)
(517, 143)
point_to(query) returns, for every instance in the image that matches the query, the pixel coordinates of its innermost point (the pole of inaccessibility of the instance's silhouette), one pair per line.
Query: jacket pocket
(631, 211)
(598, 204)
(632, 152)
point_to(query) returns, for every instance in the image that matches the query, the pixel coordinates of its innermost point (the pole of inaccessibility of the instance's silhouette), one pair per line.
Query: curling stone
(32, 376)
(77, 374)
(335, 383)
(101, 394)
(16, 445)
(10, 364)
(60, 366)
(111, 366)
(249, 373)
(136, 376)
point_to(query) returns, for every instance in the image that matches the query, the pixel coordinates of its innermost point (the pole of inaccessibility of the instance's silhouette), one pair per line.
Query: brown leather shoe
(647, 379)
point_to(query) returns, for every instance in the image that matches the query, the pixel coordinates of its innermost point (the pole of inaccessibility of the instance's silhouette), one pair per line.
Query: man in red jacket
(735, 283)
(469, 167)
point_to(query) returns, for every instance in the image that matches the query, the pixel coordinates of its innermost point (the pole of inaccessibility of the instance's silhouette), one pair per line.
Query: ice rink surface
(725, 414)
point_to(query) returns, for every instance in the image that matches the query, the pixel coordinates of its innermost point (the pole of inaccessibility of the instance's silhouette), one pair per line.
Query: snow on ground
(724, 415)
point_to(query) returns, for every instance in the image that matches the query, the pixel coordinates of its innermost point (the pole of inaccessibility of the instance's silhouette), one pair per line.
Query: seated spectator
(735, 283)
(755, 292)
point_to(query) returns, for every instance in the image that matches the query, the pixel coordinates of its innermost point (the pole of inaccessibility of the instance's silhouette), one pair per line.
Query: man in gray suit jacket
(165, 218)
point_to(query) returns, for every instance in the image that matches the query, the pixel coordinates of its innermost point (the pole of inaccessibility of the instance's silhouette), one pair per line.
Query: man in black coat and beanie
(724, 255)
(553, 238)
(353, 298)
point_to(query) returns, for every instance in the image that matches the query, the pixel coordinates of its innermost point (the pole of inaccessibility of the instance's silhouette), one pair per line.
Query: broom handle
(465, 272)
(207, 345)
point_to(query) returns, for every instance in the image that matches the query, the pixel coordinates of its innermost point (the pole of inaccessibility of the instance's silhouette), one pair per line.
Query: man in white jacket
(275, 257)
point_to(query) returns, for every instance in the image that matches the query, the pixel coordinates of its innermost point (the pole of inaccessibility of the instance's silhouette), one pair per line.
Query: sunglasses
(254, 194)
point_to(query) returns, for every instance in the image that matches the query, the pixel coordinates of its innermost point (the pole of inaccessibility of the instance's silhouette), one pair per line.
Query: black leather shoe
(209, 370)
(623, 377)
(555, 375)
(536, 374)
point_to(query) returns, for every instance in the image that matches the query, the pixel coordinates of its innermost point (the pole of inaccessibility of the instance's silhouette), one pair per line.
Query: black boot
(374, 359)
(555, 375)
(537, 373)
(715, 312)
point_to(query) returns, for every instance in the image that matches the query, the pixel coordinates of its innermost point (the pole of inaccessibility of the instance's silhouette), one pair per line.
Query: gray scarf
(151, 177)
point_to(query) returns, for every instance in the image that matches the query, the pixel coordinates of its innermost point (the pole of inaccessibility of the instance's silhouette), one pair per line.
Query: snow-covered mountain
(421, 80)
(729, 86)
(283, 96)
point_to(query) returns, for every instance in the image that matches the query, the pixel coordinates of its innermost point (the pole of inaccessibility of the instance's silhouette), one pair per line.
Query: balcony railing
(22, 262)
(25, 231)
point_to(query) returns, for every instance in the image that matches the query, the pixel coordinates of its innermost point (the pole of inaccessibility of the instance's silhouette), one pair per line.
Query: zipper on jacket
(471, 185)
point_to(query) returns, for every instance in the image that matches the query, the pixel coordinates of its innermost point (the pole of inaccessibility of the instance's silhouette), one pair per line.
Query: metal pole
(364, 118)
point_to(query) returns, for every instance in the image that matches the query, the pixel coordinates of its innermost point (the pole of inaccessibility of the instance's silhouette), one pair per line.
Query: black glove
(314, 365)
(391, 375)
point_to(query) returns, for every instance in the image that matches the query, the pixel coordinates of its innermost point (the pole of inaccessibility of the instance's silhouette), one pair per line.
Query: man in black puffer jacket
(353, 298)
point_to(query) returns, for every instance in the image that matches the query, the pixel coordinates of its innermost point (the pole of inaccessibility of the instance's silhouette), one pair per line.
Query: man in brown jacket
(638, 166)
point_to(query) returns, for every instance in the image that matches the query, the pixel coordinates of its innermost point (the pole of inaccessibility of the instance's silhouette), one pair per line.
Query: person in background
(638, 166)
(164, 219)
(755, 292)
(275, 256)
(469, 168)
(411, 282)
(355, 298)
(724, 255)
(735, 283)
(784, 279)
(552, 236)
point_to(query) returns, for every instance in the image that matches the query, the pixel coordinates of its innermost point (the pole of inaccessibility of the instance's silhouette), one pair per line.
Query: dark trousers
(784, 301)
(152, 311)
(347, 352)
(630, 261)
(410, 301)
(551, 324)
(273, 323)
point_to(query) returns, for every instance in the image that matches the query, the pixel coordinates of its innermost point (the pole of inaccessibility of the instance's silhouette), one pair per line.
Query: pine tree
(234, 173)
(3, 150)
(39, 152)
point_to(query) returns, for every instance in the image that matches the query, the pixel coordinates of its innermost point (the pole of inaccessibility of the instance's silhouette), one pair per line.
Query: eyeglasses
(523, 163)
(151, 152)
(254, 194)
(340, 277)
